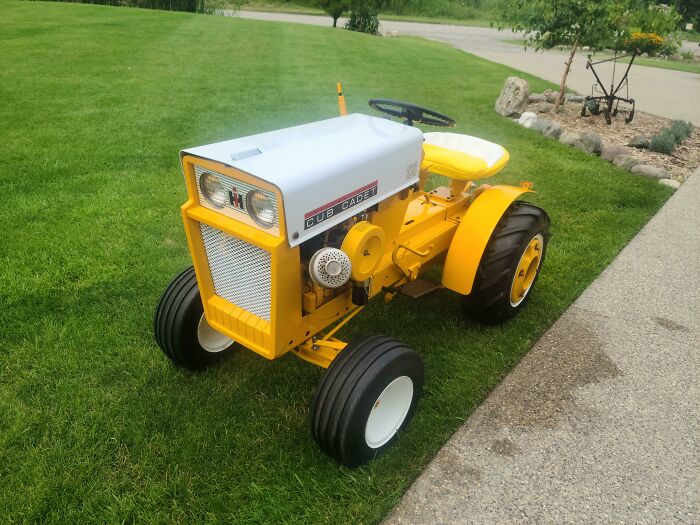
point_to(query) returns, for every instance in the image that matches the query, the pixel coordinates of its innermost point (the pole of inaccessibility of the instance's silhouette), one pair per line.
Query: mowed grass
(96, 426)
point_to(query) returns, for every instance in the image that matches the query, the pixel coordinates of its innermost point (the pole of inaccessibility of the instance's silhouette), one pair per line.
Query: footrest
(419, 288)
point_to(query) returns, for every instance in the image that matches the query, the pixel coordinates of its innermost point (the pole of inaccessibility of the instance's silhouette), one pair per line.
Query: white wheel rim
(211, 340)
(389, 412)
(527, 290)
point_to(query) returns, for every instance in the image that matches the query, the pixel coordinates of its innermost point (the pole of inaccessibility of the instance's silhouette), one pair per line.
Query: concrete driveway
(672, 94)
(599, 423)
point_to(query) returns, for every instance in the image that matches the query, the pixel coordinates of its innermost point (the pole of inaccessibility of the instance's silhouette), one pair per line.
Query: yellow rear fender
(473, 234)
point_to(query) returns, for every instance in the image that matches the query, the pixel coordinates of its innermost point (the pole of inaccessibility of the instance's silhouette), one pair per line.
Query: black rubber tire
(489, 301)
(176, 320)
(349, 389)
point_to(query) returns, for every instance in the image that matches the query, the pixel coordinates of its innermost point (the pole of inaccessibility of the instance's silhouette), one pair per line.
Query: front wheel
(365, 398)
(510, 264)
(181, 328)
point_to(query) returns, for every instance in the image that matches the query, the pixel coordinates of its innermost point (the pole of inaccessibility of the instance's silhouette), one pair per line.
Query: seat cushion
(462, 156)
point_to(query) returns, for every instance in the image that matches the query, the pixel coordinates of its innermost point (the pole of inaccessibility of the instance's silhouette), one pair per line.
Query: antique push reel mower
(292, 232)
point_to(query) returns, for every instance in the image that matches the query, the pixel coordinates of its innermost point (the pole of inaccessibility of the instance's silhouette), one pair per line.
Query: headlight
(212, 189)
(260, 208)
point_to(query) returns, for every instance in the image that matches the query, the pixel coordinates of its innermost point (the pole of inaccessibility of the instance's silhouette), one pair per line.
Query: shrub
(363, 22)
(681, 130)
(688, 55)
(364, 16)
(193, 6)
(644, 42)
(663, 142)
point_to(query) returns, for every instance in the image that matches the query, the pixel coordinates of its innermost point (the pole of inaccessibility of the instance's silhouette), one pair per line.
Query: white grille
(240, 271)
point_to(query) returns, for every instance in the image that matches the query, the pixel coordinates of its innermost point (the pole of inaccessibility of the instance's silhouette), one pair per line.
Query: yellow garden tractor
(293, 231)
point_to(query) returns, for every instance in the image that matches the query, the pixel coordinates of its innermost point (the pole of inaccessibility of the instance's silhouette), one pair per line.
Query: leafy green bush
(363, 22)
(193, 6)
(663, 142)
(681, 130)
(364, 16)
(666, 140)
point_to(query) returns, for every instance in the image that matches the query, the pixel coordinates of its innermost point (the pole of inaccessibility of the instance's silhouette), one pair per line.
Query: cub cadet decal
(317, 216)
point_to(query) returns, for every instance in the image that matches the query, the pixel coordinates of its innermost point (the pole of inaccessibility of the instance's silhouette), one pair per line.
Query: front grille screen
(241, 272)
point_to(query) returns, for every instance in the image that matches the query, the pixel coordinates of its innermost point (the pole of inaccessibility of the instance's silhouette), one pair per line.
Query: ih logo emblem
(325, 212)
(235, 199)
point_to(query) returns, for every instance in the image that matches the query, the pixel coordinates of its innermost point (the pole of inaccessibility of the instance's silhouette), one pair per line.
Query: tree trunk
(335, 21)
(562, 87)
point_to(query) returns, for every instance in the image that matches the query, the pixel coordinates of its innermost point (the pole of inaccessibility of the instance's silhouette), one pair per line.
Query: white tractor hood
(327, 171)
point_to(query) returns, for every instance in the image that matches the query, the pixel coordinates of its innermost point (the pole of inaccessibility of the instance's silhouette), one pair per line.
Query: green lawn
(96, 426)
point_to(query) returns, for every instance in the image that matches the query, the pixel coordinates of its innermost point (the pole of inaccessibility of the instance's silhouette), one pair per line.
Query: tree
(334, 8)
(689, 9)
(571, 23)
(598, 24)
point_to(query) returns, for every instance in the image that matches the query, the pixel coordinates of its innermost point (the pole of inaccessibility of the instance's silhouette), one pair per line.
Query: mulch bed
(681, 163)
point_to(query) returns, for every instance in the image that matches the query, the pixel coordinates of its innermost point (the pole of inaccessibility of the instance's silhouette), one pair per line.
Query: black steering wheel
(411, 112)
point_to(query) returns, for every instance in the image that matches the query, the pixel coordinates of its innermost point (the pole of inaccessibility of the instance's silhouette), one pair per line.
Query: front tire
(510, 265)
(366, 397)
(181, 329)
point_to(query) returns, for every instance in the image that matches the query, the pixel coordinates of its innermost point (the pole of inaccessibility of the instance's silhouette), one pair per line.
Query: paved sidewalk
(600, 422)
(672, 94)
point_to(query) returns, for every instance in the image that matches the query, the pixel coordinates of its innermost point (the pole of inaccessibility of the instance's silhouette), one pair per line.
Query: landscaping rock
(513, 97)
(578, 99)
(536, 97)
(552, 96)
(548, 128)
(569, 138)
(627, 162)
(639, 142)
(527, 119)
(590, 143)
(650, 171)
(612, 151)
(544, 107)
(670, 183)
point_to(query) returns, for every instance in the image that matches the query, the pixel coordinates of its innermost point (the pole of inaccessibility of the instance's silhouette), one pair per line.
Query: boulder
(548, 128)
(650, 171)
(536, 97)
(639, 142)
(544, 107)
(590, 143)
(612, 151)
(552, 96)
(670, 183)
(513, 97)
(571, 97)
(569, 138)
(527, 119)
(627, 162)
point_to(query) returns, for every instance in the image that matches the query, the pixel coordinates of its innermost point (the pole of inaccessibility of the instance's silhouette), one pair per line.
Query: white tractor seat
(462, 157)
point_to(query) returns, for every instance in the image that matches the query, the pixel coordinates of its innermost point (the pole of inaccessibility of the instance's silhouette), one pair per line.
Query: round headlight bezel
(207, 191)
(251, 207)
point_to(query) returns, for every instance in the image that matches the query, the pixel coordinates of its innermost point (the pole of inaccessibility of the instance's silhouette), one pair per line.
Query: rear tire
(366, 397)
(181, 329)
(498, 294)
